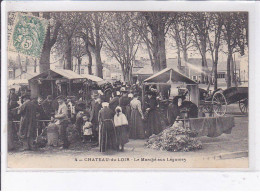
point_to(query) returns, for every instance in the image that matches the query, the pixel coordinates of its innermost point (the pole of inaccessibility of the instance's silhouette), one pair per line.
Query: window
(82, 71)
(10, 74)
(221, 75)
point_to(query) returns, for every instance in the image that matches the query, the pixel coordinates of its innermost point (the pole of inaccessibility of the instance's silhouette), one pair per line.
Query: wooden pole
(143, 95)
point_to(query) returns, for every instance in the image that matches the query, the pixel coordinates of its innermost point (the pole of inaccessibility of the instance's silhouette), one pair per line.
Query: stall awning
(58, 74)
(68, 73)
(166, 74)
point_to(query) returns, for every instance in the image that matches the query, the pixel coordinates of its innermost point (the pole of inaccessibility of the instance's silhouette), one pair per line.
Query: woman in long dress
(137, 127)
(107, 133)
(154, 125)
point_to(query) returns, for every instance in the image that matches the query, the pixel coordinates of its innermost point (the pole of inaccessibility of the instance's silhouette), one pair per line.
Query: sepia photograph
(127, 89)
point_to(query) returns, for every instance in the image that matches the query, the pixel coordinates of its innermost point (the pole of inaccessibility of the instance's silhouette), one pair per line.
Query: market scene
(127, 84)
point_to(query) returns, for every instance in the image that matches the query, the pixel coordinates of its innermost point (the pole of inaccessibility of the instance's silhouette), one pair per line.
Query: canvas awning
(92, 78)
(68, 73)
(168, 74)
(58, 74)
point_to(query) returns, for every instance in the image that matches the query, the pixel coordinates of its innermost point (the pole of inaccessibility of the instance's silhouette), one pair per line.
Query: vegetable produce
(175, 139)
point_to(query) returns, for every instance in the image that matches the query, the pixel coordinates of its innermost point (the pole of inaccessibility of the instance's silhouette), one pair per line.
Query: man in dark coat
(40, 114)
(114, 102)
(173, 111)
(94, 117)
(154, 125)
(48, 108)
(124, 100)
(107, 133)
(27, 130)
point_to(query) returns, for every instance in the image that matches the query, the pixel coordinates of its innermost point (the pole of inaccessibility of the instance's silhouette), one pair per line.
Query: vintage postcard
(127, 89)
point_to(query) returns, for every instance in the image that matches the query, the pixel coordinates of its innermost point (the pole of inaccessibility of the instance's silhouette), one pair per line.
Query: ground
(227, 150)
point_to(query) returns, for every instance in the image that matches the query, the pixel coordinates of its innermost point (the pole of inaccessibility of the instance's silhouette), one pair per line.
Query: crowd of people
(107, 120)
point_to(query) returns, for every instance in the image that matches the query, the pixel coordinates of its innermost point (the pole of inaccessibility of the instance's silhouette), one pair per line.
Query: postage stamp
(28, 35)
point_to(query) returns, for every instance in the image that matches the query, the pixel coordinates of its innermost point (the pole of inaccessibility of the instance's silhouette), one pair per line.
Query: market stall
(174, 80)
(213, 126)
(56, 82)
(17, 83)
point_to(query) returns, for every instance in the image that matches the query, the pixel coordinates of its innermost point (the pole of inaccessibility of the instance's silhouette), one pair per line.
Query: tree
(13, 65)
(200, 29)
(231, 41)
(181, 34)
(122, 41)
(83, 31)
(236, 38)
(78, 51)
(158, 23)
(241, 19)
(141, 26)
(50, 39)
(214, 39)
(69, 23)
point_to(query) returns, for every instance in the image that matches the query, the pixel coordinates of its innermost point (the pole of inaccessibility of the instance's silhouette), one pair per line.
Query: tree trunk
(48, 43)
(185, 54)
(46, 49)
(228, 77)
(204, 76)
(79, 65)
(179, 60)
(232, 70)
(14, 72)
(159, 54)
(68, 55)
(99, 69)
(89, 61)
(150, 55)
(215, 75)
(35, 65)
(162, 52)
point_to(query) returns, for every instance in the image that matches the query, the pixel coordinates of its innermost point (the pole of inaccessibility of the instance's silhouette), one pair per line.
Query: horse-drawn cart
(217, 102)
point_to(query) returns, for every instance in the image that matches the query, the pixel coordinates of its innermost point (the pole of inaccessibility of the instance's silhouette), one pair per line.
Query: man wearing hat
(124, 100)
(154, 125)
(27, 130)
(62, 117)
(94, 117)
(114, 102)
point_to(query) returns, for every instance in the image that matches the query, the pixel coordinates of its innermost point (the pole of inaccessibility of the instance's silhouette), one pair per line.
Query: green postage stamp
(28, 35)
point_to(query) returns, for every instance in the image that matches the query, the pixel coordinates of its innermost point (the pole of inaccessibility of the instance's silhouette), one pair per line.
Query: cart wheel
(243, 106)
(219, 104)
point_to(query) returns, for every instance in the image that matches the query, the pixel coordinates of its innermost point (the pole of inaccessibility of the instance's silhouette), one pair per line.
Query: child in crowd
(87, 130)
(121, 125)
(52, 133)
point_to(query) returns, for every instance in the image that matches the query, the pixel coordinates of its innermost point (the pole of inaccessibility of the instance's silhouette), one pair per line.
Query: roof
(94, 78)
(69, 74)
(18, 82)
(167, 73)
(58, 74)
